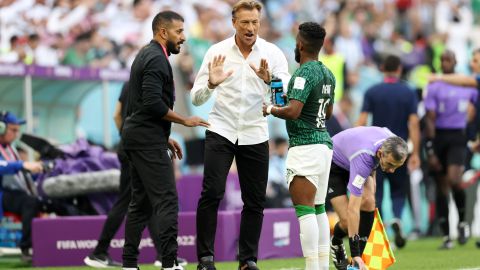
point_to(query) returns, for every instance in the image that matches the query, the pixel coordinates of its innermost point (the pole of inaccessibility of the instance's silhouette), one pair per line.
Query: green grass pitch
(419, 254)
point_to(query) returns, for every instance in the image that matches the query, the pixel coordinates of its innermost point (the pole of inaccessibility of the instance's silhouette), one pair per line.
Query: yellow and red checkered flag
(377, 254)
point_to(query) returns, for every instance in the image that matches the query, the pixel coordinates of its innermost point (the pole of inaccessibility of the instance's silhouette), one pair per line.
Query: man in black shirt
(100, 258)
(145, 135)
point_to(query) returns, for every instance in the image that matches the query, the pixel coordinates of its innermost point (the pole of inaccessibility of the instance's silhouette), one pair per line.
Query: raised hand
(262, 72)
(216, 74)
(195, 121)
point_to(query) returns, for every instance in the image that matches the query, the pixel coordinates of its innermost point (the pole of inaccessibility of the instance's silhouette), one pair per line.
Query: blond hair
(246, 4)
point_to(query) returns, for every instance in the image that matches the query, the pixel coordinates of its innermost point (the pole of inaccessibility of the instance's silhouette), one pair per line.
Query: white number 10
(321, 112)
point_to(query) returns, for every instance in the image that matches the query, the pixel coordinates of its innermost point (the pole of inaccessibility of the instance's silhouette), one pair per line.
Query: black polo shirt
(149, 97)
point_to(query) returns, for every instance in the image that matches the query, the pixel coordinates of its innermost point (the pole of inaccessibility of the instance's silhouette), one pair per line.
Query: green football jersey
(313, 84)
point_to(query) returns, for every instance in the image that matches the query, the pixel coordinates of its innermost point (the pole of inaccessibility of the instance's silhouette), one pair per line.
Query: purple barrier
(63, 72)
(189, 188)
(66, 241)
(280, 235)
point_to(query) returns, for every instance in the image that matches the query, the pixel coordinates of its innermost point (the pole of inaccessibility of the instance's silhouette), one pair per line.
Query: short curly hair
(312, 35)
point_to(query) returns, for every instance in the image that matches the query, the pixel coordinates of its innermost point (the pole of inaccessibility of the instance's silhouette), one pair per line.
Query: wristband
(355, 246)
(269, 109)
(429, 147)
(211, 84)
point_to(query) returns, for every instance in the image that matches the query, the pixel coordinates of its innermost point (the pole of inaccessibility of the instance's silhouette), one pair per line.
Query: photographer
(18, 193)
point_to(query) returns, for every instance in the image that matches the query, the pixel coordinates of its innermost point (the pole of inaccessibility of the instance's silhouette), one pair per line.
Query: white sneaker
(180, 261)
(178, 267)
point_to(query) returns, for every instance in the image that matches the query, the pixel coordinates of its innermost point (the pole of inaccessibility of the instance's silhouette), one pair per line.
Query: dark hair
(312, 35)
(33, 37)
(391, 63)
(164, 18)
(13, 39)
(85, 36)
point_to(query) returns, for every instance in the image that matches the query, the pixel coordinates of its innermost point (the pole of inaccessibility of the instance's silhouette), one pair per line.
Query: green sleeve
(300, 88)
(332, 93)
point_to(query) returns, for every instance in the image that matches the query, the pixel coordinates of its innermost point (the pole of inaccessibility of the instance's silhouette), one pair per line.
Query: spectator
(400, 101)
(77, 55)
(277, 189)
(18, 192)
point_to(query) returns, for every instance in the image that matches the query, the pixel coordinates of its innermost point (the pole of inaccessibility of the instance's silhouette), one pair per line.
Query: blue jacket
(7, 168)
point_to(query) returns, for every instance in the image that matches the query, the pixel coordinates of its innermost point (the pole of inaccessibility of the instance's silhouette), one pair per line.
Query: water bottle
(276, 88)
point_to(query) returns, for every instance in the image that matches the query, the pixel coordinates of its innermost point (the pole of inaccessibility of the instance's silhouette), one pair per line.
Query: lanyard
(8, 157)
(21, 179)
(390, 80)
(164, 50)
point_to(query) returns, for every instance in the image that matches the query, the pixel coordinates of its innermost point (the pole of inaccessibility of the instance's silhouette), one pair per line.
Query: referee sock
(338, 234)
(308, 235)
(323, 237)
(459, 196)
(366, 223)
(442, 213)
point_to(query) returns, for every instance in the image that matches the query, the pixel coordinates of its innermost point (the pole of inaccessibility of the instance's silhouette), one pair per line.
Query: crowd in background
(109, 33)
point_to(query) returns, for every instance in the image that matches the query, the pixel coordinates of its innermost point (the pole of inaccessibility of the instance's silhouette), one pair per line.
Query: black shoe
(100, 261)
(248, 265)
(463, 233)
(447, 243)
(206, 263)
(339, 256)
(478, 244)
(400, 240)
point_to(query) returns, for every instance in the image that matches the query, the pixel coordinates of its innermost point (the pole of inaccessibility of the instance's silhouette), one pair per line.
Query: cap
(10, 118)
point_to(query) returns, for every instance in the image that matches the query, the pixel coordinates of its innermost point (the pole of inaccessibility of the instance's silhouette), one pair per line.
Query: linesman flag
(377, 254)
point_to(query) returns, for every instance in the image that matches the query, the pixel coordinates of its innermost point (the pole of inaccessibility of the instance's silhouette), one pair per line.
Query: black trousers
(119, 210)
(252, 165)
(154, 196)
(28, 207)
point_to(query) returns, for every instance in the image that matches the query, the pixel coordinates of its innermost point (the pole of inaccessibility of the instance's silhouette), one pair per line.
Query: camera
(48, 166)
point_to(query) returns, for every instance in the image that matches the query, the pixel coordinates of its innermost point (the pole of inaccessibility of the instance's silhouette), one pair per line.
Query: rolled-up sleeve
(153, 87)
(200, 92)
(280, 66)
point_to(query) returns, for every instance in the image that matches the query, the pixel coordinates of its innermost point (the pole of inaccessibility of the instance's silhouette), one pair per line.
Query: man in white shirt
(238, 129)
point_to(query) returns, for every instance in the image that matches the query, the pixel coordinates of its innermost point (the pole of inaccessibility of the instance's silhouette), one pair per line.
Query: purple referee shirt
(355, 150)
(450, 104)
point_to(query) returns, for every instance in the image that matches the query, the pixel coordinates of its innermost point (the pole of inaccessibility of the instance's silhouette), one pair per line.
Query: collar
(233, 44)
(165, 52)
(390, 80)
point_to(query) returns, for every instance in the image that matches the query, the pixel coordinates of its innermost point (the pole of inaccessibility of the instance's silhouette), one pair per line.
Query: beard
(297, 55)
(172, 47)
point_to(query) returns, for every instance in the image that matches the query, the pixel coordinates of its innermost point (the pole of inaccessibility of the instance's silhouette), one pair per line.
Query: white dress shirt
(237, 113)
